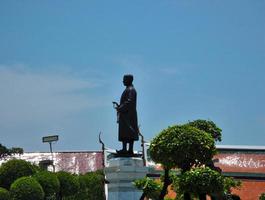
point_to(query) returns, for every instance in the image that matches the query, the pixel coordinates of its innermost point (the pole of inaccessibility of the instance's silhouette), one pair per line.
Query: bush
(14, 169)
(69, 184)
(201, 181)
(49, 182)
(150, 188)
(26, 188)
(4, 194)
(91, 186)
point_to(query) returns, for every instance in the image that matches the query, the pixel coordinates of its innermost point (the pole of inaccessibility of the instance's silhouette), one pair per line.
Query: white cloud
(27, 95)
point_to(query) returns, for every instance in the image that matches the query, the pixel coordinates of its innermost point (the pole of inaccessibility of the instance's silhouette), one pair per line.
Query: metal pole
(50, 147)
(52, 156)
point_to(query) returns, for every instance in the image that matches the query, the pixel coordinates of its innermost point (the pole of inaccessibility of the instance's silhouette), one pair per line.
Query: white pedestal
(120, 173)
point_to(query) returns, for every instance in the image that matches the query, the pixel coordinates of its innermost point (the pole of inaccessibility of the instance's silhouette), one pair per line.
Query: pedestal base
(120, 173)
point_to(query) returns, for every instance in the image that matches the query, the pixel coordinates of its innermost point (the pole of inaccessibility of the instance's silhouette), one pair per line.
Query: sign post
(50, 139)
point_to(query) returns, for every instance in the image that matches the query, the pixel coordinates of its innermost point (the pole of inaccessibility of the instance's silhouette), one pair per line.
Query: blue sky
(62, 62)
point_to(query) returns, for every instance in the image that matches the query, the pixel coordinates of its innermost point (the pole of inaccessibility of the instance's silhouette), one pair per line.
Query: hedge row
(20, 180)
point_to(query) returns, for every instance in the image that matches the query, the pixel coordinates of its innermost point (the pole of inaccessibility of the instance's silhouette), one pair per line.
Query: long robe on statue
(128, 123)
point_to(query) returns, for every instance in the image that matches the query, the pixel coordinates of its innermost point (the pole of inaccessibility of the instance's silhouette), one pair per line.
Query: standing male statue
(127, 116)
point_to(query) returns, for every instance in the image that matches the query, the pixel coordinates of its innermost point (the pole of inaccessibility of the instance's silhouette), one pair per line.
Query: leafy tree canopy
(208, 127)
(4, 151)
(182, 146)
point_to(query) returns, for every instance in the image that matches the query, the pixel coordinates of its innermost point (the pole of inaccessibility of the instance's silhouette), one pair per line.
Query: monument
(126, 166)
(127, 117)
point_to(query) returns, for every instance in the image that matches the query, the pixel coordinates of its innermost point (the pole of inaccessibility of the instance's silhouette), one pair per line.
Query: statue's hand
(115, 105)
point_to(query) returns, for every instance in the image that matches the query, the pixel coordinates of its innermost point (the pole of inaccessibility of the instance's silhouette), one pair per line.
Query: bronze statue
(127, 116)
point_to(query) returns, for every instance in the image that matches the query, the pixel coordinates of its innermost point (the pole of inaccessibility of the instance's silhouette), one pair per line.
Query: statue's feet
(130, 152)
(122, 151)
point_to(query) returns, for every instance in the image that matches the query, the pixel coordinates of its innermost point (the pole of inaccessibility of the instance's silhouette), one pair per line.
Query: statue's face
(126, 81)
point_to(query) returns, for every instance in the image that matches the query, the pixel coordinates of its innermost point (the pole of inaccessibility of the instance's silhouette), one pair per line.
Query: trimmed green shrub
(26, 188)
(4, 194)
(201, 181)
(69, 184)
(14, 169)
(49, 182)
(91, 186)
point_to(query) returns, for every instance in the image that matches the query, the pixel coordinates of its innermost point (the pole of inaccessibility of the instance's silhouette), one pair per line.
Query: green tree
(26, 188)
(183, 147)
(14, 169)
(4, 151)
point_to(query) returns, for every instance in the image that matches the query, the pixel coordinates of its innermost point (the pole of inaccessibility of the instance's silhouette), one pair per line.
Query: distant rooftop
(241, 147)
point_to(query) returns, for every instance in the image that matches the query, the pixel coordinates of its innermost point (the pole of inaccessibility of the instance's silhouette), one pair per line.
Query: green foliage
(4, 151)
(150, 188)
(182, 146)
(262, 196)
(205, 181)
(14, 169)
(230, 183)
(208, 127)
(49, 183)
(4, 194)
(190, 147)
(200, 181)
(16, 150)
(26, 188)
(69, 184)
(91, 186)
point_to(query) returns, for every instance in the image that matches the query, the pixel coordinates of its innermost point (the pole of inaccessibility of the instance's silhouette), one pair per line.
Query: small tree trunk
(165, 186)
(202, 196)
(187, 196)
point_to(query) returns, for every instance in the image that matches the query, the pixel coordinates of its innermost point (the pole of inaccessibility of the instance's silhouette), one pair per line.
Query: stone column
(120, 173)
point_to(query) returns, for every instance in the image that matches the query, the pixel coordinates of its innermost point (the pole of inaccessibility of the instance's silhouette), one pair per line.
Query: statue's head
(127, 79)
